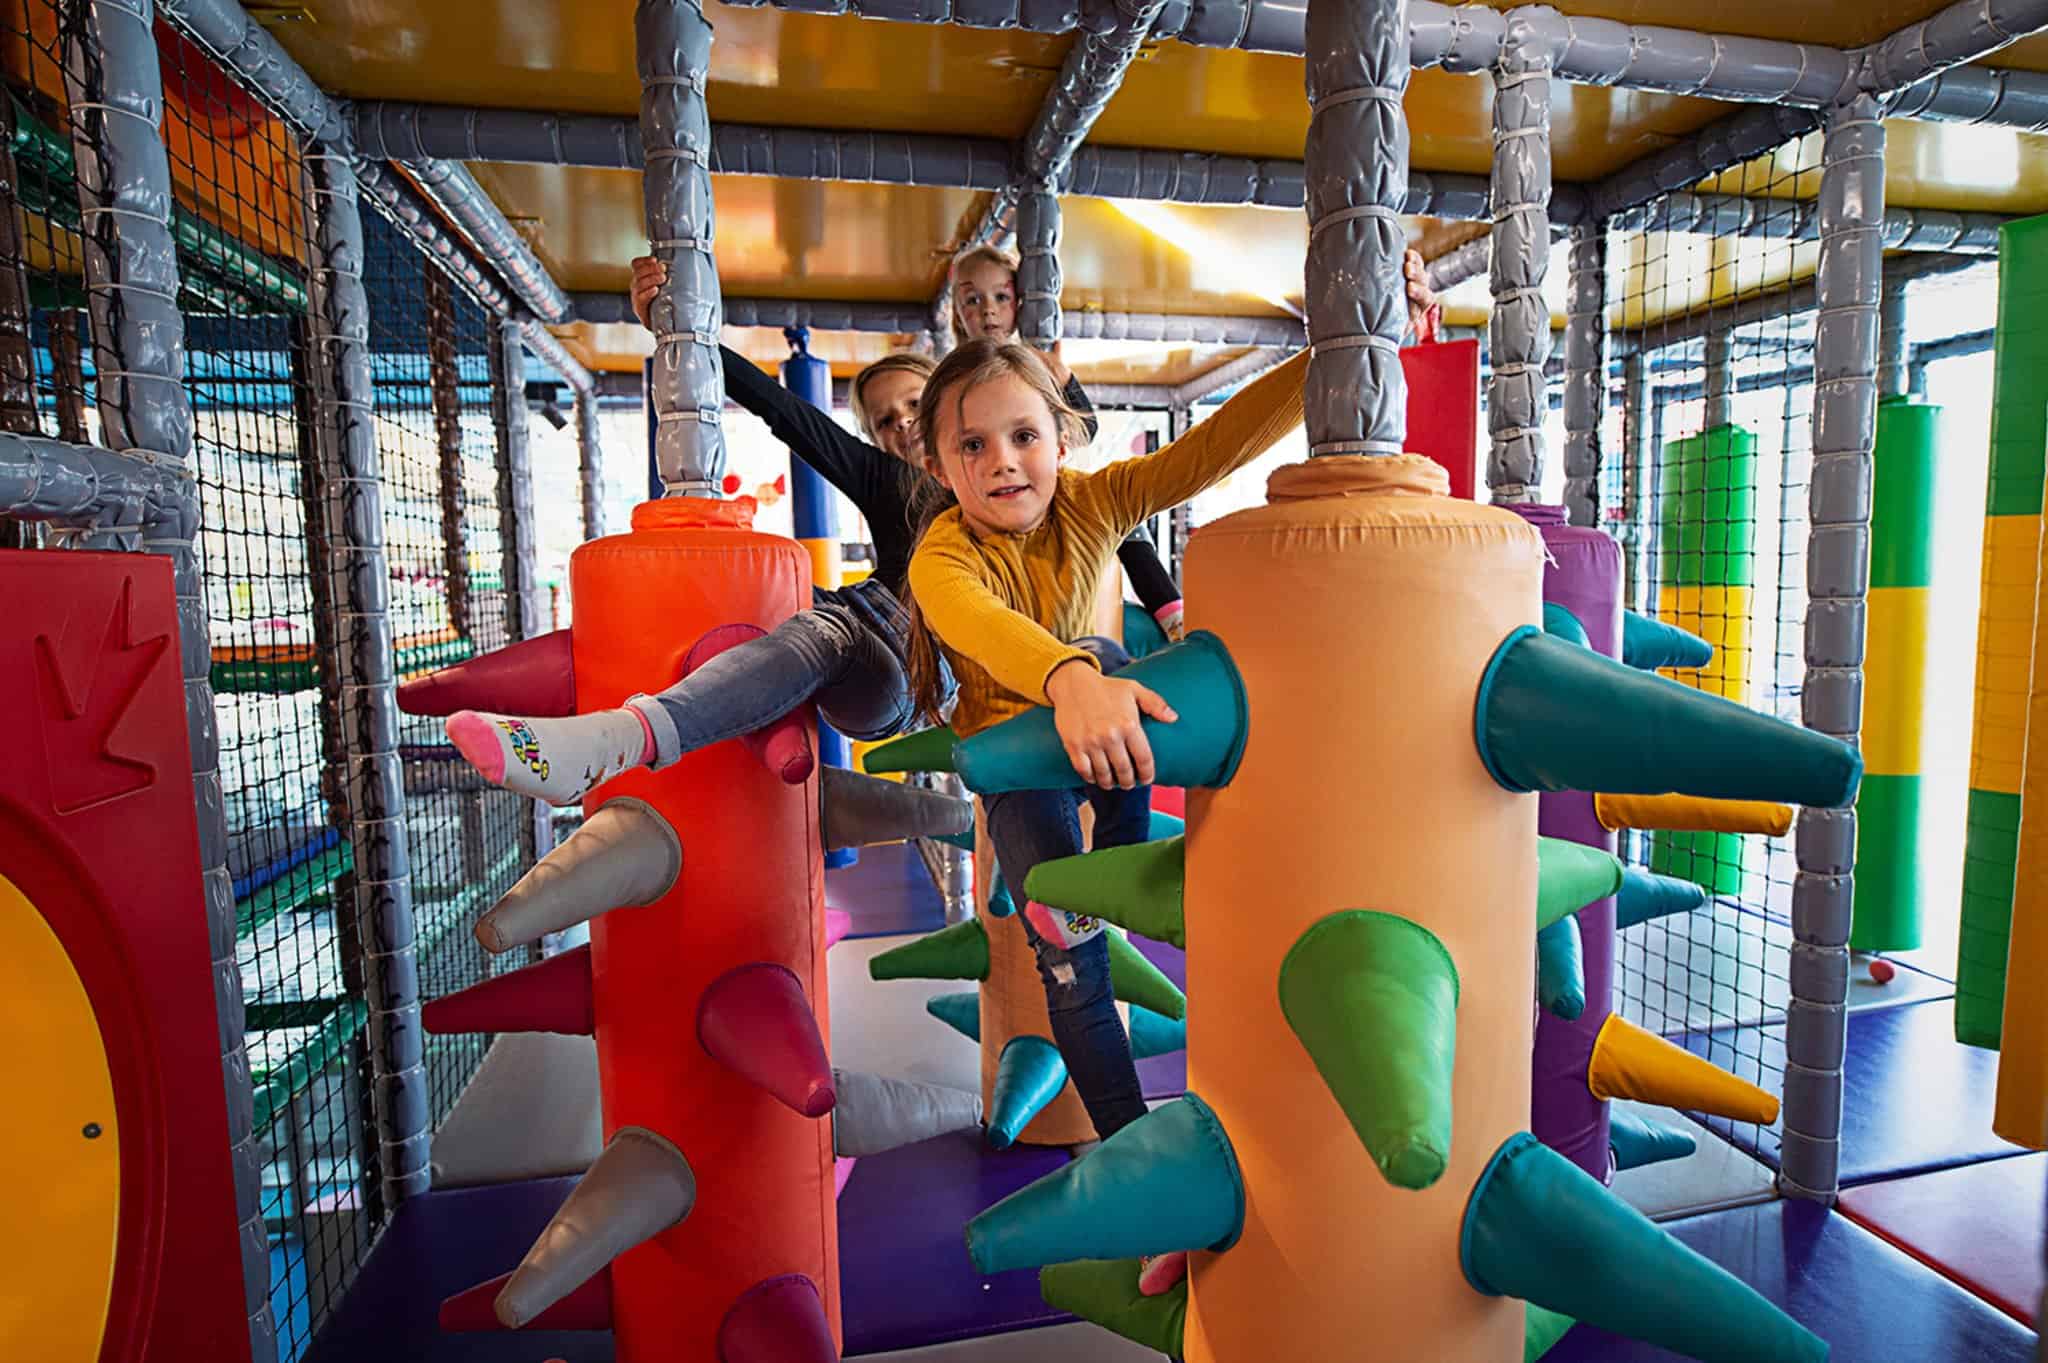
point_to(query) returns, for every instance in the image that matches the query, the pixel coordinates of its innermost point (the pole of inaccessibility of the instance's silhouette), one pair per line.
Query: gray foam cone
(624, 854)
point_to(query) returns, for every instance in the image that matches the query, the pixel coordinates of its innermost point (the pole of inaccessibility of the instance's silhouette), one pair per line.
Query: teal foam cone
(1637, 1142)
(1000, 904)
(1645, 895)
(925, 750)
(1165, 825)
(1153, 1034)
(1140, 887)
(1560, 623)
(1029, 1074)
(1552, 716)
(964, 840)
(1571, 875)
(1135, 980)
(1541, 1330)
(1650, 644)
(1142, 634)
(1105, 1291)
(1168, 1181)
(1540, 1228)
(1373, 999)
(961, 1012)
(1561, 969)
(1200, 748)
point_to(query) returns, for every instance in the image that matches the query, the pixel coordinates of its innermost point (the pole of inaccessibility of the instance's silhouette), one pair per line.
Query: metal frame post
(1585, 372)
(114, 87)
(1894, 355)
(1849, 284)
(1636, 489)
(590, 465)
(443, 379)
(1038, 265)
(518, 558)
(1517, 393)
(1719, 381)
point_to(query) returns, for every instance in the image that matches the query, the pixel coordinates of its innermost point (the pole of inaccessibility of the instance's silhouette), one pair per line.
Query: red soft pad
(755, 1020)
(589, 1307)
(1170, 800)
(551, 996)
(1443, 409)
(534, 677)
(778, 1321)
(1979, 1225)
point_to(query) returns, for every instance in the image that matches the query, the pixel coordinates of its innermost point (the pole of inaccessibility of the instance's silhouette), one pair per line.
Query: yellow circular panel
(62, 1190)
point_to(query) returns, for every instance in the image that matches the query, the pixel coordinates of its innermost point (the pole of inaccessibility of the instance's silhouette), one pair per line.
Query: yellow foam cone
(1629, 1062)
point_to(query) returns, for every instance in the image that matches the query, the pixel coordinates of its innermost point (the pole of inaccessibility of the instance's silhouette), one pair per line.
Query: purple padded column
(1583, 576)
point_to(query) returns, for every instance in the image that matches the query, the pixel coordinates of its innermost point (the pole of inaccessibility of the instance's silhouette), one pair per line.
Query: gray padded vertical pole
(115, 92)
(1355, 396)
(525, 610)
(1894, 359)
(1719, 384)
(1638, 496)
(1517, 396)
(17, 357)
(352, 522)
(686, 382)
(444, 384)
(1837, 579)
(1038, 266)
(589, 465)
(1585, 372)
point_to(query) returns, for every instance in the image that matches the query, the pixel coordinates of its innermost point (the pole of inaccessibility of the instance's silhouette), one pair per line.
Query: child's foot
(1157, 1273)
(1170, 622)
(1061, 928)
(556, 760)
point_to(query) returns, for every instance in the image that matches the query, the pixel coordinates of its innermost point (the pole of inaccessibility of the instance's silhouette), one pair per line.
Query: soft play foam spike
(1167, 1181)
(963, 840)
(1561, 969)
(1541, 1228)
(925, 750)
(639, 1187)
(1165, 825)
(1153, 1035)
(624, 855)
(838, 922)
(1692, 814)
(1651, 644)
(1142, 634)
(961, 1012)
(1571, 875)
(589, 1307)
(958, 952)
(1560, 623)
(1646, 894)
(1636, 1142)
(1139, 887)
(1200, 748)
(1029, 1074)
(875, 1113)
(782, 745)
(1554, 716)
(1541, 1330)
(534, 677)
(1105, 1292)
(1373, 998)
(1629, 1062)
(861, 811)
(1000, 904)
(1136, 980)
(551, 996)
(779, 1320)
(755, 1021)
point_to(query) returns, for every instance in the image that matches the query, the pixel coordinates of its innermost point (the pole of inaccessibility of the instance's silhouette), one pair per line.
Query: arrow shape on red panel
(87, 681)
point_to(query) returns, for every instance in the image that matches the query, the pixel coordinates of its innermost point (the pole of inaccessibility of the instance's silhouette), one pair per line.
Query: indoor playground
(1595, 894)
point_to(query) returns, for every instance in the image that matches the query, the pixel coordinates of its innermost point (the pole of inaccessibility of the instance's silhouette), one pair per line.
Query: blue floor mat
(888, 891)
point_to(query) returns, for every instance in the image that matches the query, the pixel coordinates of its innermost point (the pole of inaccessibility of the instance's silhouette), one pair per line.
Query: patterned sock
(1157, 1273)
(556, 760)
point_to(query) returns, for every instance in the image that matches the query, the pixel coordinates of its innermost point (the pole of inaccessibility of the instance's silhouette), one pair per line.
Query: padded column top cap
(694, 513)
(1356, 475)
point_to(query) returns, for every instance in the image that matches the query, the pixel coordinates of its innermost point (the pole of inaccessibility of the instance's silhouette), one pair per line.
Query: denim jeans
(1030, 826)
(846, 652)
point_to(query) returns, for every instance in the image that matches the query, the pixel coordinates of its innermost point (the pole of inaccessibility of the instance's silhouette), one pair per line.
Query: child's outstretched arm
(1244, 428)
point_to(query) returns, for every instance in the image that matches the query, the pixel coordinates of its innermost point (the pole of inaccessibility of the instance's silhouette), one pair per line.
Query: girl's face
(889, 402)
(985, 300)
(999, 453)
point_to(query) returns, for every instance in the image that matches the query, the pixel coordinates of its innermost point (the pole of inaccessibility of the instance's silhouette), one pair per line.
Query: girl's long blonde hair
(966, 368)
(896, 362)
(994, 255)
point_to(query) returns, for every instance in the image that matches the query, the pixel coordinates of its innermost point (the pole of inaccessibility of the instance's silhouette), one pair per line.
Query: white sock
(556, 760)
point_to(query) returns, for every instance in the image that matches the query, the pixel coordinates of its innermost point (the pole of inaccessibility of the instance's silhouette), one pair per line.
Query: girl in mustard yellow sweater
(1005, 579)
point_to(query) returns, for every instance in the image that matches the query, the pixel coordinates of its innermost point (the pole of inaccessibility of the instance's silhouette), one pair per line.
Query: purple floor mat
(1871, 1303)
(903, 1267)
(1915, 1099)
(888, 891)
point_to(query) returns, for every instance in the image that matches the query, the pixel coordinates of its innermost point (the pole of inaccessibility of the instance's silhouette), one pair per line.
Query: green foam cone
(1105, 1291)
(1029, 1074)
(1552, 716)
(1167, 1181)
(1153, 1035)
(925, 750)
(959, 952)
(1136, 980)
(1540, 1228)
(1645, 895)
(961, 1012)
(1637, 1142)
(1139, 887)
(1561, 969)
(1373, 998)
(1142, 634)
(1560, 623)
(1571, 875)
(1541, 1330)
(1650, 644)
(1200, 748)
